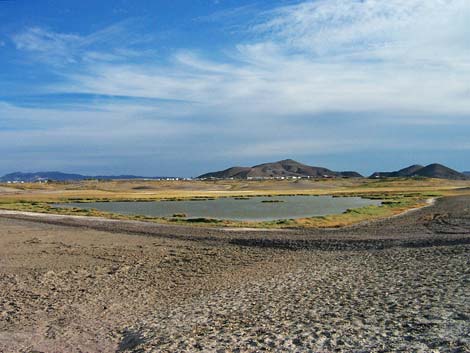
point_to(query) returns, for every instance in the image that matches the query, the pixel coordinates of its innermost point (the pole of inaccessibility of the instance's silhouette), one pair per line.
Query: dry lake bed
(85, 285)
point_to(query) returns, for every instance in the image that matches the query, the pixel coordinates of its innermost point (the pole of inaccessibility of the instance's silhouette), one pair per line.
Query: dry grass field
(155, 189)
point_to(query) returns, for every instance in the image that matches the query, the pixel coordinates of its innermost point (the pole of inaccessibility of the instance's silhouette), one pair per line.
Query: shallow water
(251, 209)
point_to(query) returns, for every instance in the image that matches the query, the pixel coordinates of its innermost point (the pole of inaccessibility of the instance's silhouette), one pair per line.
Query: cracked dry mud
(399, 285)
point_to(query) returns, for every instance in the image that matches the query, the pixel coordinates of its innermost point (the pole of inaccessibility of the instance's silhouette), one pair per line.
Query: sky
(184, 87)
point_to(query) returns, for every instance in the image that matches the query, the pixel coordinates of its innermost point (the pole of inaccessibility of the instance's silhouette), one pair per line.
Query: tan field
(153, 189)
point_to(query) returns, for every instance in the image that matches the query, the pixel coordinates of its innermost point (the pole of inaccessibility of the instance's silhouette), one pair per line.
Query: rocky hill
(284, 168)
(440, 171)
(405, 172)
(39, 176)
(59, 176)
(434, 170)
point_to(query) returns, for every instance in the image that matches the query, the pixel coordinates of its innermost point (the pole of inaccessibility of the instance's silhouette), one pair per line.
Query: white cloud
(338, 55)
(110, 44)
(339, 27)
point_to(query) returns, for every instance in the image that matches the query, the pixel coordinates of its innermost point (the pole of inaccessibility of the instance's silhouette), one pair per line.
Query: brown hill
(405, 172)
(234, 172)
(409, 171)
(284, 168)
(434, 170)
(440, 171)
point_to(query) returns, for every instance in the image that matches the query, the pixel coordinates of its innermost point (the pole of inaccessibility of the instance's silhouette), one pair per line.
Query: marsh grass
(391, 206)
(398, 195)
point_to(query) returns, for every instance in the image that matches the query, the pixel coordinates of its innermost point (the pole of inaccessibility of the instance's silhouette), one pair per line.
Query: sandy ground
(84, 285)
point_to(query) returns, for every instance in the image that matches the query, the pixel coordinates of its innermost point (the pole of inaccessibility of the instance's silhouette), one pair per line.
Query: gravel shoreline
(81, 285)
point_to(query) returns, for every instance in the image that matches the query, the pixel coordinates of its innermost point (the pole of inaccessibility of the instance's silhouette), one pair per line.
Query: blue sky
(184, 87)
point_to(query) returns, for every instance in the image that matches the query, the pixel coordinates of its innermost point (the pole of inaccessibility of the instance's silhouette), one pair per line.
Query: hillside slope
(440, 171)
(434, 170)
(284, 168)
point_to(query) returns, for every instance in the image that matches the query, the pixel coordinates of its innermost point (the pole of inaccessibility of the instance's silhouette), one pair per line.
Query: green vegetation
(398, 195)
(393, 204)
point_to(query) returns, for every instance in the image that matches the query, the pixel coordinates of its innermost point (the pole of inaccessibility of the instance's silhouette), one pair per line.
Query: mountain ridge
(434, 170)
(60, 176)
(284, 168)
(280, 169)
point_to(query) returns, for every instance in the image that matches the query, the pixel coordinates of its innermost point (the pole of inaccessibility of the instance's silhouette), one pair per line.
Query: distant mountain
(380, 175)
(39, 176)
(405, 172)
(440, 171)
(284, 168)
(430, 171)
(350, 174)
(233, 172)
(466, 173)
(409, 171)
(59, 176)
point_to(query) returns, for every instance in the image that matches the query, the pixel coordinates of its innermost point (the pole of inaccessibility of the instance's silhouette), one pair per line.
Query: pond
(231, 208)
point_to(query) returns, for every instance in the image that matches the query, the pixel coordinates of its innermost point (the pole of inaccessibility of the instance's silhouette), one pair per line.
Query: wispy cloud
(315, 57)
(110, 44)
(234, 19)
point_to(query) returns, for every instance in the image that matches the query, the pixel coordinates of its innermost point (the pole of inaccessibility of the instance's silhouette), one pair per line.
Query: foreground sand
(90, 286)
